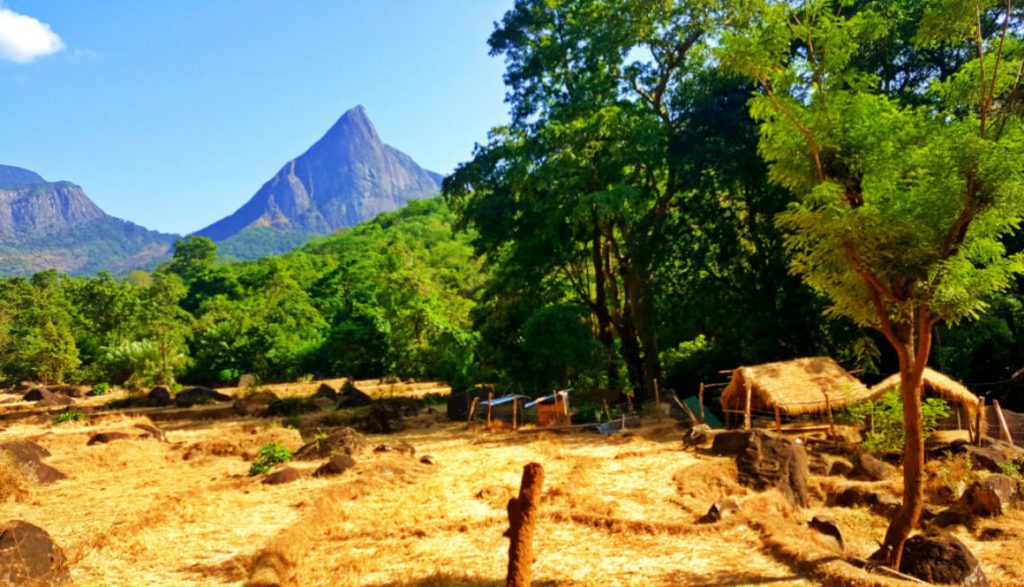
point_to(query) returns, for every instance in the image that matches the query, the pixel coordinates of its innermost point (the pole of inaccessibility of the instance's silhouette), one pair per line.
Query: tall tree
(901, 208)
(580, 185)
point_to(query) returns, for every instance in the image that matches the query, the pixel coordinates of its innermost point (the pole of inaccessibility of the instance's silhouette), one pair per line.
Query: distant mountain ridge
(346, 177)
(54, 225)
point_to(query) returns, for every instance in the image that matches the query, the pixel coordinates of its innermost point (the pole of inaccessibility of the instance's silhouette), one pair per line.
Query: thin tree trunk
(913, 359)
(604, 320)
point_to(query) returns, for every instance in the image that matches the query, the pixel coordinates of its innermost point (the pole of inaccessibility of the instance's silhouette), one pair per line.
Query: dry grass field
(619, 510)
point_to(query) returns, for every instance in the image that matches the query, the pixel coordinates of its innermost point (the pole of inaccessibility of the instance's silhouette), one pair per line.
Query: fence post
(522, 518)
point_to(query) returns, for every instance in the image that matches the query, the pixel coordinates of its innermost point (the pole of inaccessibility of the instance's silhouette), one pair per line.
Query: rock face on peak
(346, 177)
(15, 177)
(54, 225)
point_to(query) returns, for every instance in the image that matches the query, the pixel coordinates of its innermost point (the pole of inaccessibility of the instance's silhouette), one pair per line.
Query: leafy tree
(165, 323)
(52, 353)
(192, 256)
(901, 207)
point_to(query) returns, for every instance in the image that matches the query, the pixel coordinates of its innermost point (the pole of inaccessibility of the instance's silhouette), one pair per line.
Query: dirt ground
(617, 510)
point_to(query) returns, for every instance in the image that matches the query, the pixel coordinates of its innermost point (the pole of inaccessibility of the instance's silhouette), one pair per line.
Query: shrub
(269, 455)
(1011, 470)
(886, 414)
(71, 415)
(956, 474)
(99, 389)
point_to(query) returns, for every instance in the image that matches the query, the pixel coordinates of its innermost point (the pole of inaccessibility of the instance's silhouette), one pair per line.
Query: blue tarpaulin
(548, 398)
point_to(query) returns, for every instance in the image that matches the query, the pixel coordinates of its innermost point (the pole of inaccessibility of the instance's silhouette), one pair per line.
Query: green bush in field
(68, 416)
(99, 389)
(269, 455)
(886, 414)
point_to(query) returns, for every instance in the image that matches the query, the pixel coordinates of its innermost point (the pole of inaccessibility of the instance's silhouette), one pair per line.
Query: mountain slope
(346, 177)
(54, 225)
(15, 177)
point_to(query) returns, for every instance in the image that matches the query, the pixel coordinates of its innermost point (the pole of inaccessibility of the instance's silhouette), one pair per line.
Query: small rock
(68, 390)
(840, 467)
(730, 442)
(714, 515)
(254, 404)
(873, 468)
(160, 396)
(427, 460)
(28, 457)
(353, 398)
(152, 432)
(996, 455)
(996, 533)
(829, 528)
(326, 391)
(199, 395)
(859, 495)
(105, 437)
(719, 510)
(990, 496)
(339, 441)
(248, 380)
(769, 460)
(938, 557)
(286, 475)
(404, 447)
(697, 435)
(28, 556)
(954, 517)
(337, 465)
(37, 394)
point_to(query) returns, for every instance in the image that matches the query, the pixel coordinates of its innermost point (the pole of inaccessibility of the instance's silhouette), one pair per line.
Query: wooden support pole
(700, 402)
(979, 421)
(515, 413)
(1004, 430)
(746, 410)
(831, 422)
(523, 512)
(657, 393)
(778, 419)
(472, 408)
(490, 402)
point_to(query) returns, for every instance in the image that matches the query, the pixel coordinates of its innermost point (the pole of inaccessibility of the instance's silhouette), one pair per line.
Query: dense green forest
(649, 213)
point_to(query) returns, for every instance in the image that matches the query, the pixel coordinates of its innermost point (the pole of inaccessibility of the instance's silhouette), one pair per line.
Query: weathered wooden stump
(522, 518)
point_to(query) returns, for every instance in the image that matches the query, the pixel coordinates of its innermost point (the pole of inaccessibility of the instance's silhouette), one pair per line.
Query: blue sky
(171, 114)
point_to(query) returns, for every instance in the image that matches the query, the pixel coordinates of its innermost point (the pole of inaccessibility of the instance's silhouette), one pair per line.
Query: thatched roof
(796, 387)
(935, 382)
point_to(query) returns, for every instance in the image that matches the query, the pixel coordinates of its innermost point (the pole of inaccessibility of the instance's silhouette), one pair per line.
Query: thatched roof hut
(937, 385)
(795, 387)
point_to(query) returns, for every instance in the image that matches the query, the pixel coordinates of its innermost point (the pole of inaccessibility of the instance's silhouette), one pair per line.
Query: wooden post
(979, 420)
(490, 400)
(515, 413)
(1004, 430)
(522, 519)
(472, 408)
(778, 419)
(831, 422)
(657, 394)
(700, 402)
(607, 412)
(746, 411)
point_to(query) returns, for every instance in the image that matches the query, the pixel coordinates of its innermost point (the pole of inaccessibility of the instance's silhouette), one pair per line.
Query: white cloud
(23, 38)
